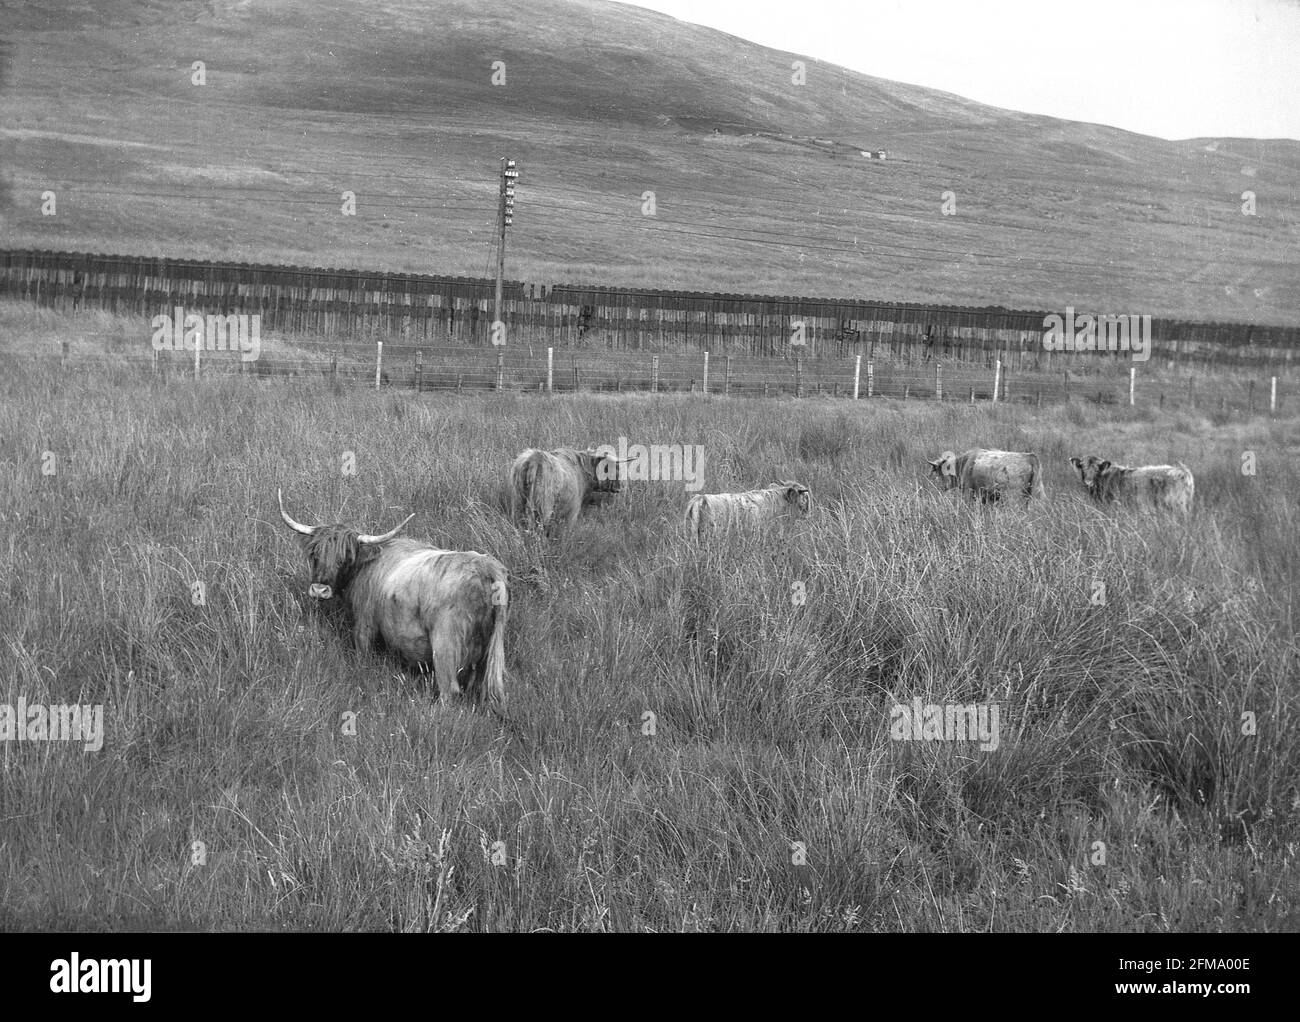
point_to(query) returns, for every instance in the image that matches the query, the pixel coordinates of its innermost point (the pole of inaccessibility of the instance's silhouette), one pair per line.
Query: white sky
(1171, 68)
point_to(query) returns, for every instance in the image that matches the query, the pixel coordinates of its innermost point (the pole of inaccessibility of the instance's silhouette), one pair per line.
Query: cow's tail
(1036, 488)
(1191, 484)
(494, 670)
(523, 487)
(694, 519)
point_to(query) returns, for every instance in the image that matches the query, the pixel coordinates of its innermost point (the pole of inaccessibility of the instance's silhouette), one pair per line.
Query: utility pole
(505, 217)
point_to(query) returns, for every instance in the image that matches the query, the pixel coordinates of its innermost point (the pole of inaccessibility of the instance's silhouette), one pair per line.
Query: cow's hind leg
(445, 648)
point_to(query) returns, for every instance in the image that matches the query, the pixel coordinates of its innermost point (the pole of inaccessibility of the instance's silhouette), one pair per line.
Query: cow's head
(796, 494)
(335, 553)
(602, 467)
(1091, 471)
(944, 468)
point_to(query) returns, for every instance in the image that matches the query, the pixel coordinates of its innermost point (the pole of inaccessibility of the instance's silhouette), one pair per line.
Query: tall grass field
(698, 737)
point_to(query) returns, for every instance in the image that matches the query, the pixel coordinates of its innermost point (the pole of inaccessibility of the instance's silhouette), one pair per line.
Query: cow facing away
(779, 502)
(549, 489)
(989, 475)
(439, 609)
(1171, 487)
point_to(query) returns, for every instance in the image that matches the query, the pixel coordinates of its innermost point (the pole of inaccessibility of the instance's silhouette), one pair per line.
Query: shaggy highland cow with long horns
(443, 610)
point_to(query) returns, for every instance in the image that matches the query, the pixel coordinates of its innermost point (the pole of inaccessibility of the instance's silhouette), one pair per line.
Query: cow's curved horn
(306, 530)
(387, 535)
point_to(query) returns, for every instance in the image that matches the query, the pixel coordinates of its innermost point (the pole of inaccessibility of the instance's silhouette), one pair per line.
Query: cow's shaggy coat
(549, 489)
(1171, 487)
(443, 610)
(778, 502)
(989, 474)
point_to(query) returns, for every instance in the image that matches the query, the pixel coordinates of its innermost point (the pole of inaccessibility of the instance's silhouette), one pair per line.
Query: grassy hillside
(755, 183)
(1121, 720)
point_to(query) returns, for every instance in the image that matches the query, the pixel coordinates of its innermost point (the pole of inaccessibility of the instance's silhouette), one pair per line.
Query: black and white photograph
(686, 466)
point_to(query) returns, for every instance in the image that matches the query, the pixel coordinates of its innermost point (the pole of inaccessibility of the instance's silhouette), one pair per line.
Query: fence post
(63, 354)
(997, 379)
(857, 375)
(938, 381)
(972, 395)
(379, 361)
(798, 376)
(198, 350)
(1250, 398)
(1132, 385)
(705, 386)
(871, 378)
(726, 379)
(419, 372)
(1272, 398)
(654, 375)
(550, 370)
(1067, 384)
(501, 370)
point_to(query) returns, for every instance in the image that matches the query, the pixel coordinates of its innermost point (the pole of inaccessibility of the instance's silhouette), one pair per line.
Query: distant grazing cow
(550, 488)
(444, 609)
(990, 474)
(780, 501)
(1164, 486)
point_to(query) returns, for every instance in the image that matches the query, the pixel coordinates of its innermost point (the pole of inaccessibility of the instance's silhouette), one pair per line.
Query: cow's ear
(950, 467)
(1102, 466)
(792, 493)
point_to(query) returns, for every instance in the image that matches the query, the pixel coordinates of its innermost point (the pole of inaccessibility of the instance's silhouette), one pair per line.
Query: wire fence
(460, 369)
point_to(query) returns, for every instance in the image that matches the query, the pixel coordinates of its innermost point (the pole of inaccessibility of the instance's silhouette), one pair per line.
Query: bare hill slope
(758, 182)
